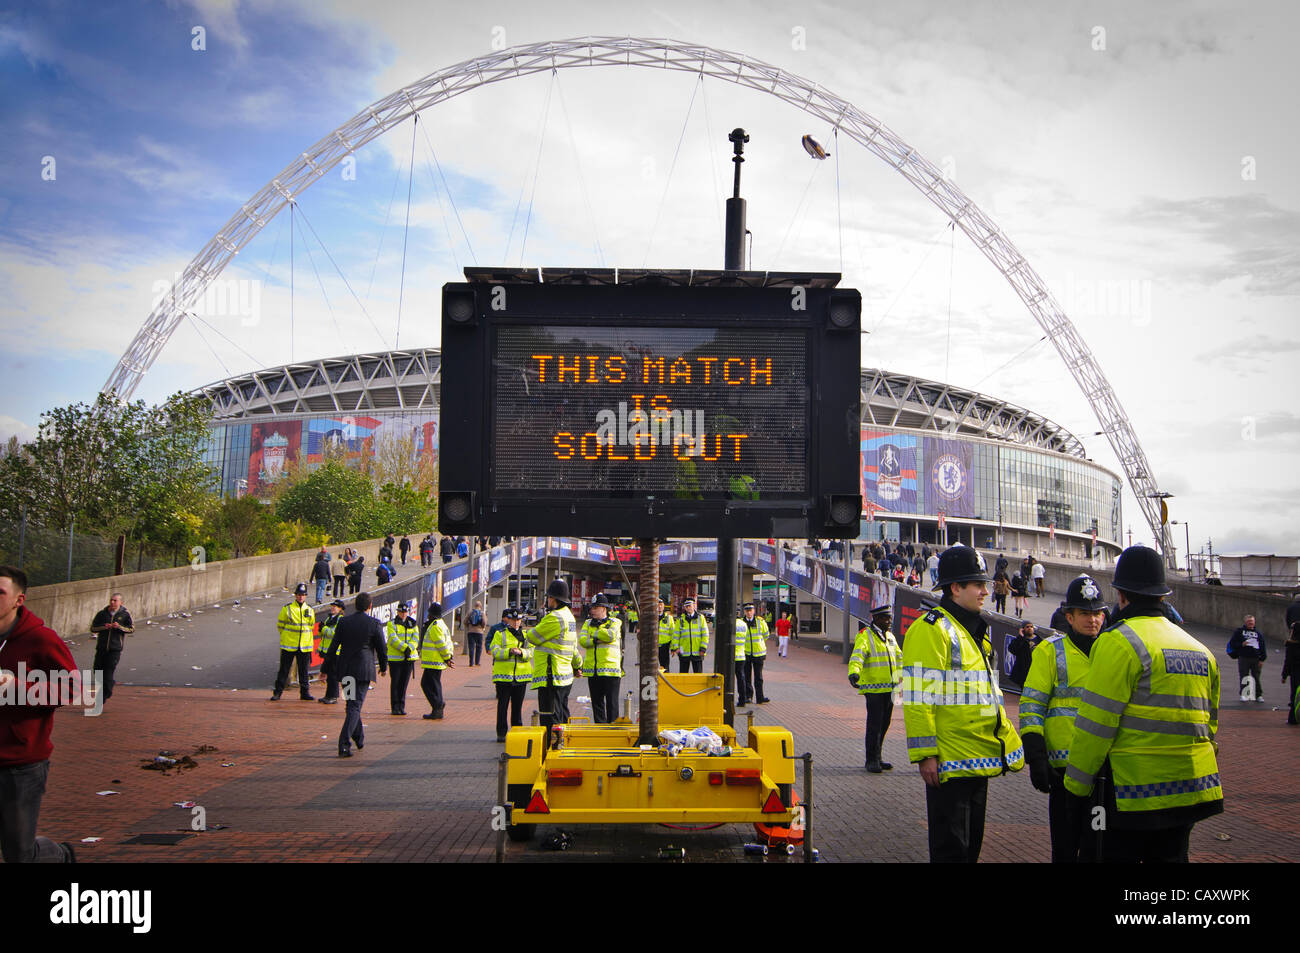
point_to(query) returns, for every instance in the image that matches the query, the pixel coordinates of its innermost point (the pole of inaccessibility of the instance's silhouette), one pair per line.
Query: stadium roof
(408, 380)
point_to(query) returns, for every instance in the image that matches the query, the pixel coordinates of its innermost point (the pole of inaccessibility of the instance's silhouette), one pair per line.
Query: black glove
(1040, 772)
(853, 679)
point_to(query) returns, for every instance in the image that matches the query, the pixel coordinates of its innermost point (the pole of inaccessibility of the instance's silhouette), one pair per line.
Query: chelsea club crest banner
(949, 480)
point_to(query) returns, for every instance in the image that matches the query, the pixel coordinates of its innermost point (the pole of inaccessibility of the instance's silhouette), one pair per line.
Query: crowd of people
(1117, 711)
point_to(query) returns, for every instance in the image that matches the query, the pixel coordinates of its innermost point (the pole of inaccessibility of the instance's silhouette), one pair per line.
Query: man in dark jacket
(1247, 647)
(1022, 650)
(355, 570)
(404, 547)
(320, 574)
(358, 645)
(110, 626)
(27, 646)
(447, 546)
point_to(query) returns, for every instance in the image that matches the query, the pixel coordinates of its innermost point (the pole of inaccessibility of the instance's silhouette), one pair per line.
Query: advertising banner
(949, 480)
(272, 447)
(890, 462)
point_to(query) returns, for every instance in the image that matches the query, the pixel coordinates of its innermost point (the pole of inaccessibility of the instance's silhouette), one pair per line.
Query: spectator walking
(320, 574)
(783, 635)
(1247, 647)
(404, 547)
(475, 626)
(932, 564)
(1291, 662)
(110, 625)
(1022, 649)
(355, 569)
(462, 547)
(1020, 594)
(339, 568)
(447, 547)
(1039, 574)
(358, 645)
(426, 551)
(28, 644)
(1001, 589)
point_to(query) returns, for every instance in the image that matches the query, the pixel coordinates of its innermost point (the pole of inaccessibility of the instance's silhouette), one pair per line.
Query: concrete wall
(69, 607)
(1219, 606)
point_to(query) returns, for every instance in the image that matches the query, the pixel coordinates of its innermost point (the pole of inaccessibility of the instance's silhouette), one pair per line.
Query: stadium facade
(937, 461)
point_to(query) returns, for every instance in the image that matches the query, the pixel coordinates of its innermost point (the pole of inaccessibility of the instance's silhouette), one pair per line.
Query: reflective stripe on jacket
(403, 639)
(875, 662)
(1151, 705)
(507, 667)
(741, 639)
(327, 632)
(556, 652)
(603, 649)
(1050, 697)
(756, 643)
(436, 647)
(692, 636)
(952, 705)
(297, 626)
(667, 630)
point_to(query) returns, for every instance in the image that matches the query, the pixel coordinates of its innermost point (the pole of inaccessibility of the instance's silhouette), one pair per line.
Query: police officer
(297, 627)
(757, 633)
(436, 654)
(744, 691)
(403, 634)
(555, 656)
(667, 636)
(329, 667)
(691, 640)
(633, 615)
(1048, 704)
(512, 668)
(602, 660)
(875, 672)
(957, 730)
(1150, 709)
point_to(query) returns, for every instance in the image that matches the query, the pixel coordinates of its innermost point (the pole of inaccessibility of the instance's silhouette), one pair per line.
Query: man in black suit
(358, 644)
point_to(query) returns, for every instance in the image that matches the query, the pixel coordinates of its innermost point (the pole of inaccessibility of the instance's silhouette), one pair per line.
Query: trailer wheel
(518, 795)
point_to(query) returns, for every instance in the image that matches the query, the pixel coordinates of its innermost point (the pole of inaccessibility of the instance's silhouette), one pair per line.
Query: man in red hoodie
(27, 646)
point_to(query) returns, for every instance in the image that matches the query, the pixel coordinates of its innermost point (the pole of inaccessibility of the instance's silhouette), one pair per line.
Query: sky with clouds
(1141, 157)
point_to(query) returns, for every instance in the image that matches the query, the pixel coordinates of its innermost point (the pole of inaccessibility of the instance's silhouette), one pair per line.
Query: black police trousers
(510, 699)
(604, 698)
(399, 674)
(955, 813)
(1070, 820)
(880, 711)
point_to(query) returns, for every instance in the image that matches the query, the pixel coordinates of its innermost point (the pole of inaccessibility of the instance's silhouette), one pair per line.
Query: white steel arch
(378, 118)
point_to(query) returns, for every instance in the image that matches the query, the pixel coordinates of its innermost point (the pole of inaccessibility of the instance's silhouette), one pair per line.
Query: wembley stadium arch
(870, 133)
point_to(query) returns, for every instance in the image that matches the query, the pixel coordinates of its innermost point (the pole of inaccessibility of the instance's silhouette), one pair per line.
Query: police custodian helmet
(559, 591)
(1084, 593)
(961, 564)
(1140, 571)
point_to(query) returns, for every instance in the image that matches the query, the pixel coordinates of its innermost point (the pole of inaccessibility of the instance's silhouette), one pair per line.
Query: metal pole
(807, 807)
(1187, 538)
(72, 529)
(724, 621)
(22, 535)
(502, 761)
(844, 629)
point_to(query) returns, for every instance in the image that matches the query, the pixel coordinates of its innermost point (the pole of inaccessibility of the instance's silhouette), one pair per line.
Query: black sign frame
(474, 311)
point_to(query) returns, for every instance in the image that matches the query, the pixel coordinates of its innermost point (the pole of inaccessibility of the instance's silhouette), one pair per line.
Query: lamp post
(1187, 539)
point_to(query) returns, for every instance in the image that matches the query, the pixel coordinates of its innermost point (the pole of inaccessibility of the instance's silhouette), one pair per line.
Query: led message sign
(637, 410)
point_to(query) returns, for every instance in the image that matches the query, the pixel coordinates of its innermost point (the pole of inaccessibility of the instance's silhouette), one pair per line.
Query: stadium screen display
(654, 411)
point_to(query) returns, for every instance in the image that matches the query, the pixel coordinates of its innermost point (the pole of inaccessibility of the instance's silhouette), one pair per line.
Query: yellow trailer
(599, 775)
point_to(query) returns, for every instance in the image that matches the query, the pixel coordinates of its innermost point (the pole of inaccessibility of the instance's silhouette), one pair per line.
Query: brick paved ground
(423, 791)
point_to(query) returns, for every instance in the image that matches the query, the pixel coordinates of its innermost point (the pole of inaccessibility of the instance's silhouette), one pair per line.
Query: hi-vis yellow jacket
(692, 636)
(1050, 698)
(297, 626)
(556, 649)
(603, 655)
(875, 662)
(952, 705)
(1151, 704)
